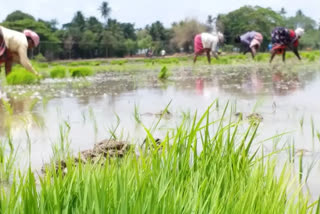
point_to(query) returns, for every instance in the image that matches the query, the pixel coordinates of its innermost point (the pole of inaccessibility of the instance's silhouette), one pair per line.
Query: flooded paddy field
(283, 98)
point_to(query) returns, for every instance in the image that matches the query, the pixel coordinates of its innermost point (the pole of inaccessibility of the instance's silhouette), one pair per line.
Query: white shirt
(209, 41)
(17, 44)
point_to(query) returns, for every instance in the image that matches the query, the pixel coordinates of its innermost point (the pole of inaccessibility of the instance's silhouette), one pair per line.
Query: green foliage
(249, 18)
(163, 61)
(301, 20)
(118, 62)
(81, 71)
(21, 76)
(40, 65)
(18, 15)
(185, 31)
(144, 39)
(262, 57)
(58, 72)
(164, 73)
(84, 63)
(311, 40)
(40, 58)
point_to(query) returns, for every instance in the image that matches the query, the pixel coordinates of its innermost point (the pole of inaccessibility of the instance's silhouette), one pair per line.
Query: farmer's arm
(24, 60)
(214, 49)
(214, 53)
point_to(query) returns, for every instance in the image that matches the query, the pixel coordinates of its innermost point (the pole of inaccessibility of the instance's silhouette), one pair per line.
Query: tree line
(87, 37)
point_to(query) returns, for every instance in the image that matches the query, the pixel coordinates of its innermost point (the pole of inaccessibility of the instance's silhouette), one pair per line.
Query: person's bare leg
(8, 67)
(284, 56)
(195, 58)
(208, 56)
(273, 53)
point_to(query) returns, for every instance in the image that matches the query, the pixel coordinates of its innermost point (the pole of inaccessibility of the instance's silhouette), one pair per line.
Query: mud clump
(100, 152)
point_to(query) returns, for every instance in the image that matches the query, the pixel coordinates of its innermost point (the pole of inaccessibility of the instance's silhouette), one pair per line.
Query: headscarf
(33, 35)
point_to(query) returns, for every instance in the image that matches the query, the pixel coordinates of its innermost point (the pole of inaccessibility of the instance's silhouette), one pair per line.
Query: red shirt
(293, 37)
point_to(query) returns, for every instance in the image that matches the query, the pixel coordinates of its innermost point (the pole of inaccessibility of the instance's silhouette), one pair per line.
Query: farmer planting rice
(207, 42)
(251, 42)
(14, 46)
(283, 38)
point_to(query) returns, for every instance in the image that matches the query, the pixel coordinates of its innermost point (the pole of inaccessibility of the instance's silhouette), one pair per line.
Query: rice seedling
(7, 159)
(118, 62)
(225, 176)
(113, 130)
(58, 72)
(61, 150)
(21, 76)
(81, 71)
(301, 121)
(164, 73)
(136, 114)
(94, 120)
(318, 135)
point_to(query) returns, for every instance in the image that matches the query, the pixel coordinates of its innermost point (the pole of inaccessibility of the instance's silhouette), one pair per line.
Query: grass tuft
(21, 76)
(58, 72)
(81, 71)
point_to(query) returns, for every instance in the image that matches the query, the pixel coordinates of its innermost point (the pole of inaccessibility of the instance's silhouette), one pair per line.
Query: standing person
(207, 42)
(283, 38)
(163, 53)
(14, 46)
(251, 42)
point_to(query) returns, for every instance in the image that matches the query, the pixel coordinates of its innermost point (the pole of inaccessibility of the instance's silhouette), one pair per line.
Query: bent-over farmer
(14, 46)
(251, 42)
(207, 42)
(283, 38)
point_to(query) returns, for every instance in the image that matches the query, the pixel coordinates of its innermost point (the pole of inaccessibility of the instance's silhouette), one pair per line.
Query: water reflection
(293, 92)
(18, 115)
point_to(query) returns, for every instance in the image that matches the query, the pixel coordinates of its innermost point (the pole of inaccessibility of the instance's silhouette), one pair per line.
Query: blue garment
(247, 38)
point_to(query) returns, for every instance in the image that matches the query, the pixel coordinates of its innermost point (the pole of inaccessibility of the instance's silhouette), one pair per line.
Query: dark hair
(29, 38)
(237, 39)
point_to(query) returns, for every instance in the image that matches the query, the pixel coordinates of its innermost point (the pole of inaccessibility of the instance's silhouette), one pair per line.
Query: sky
(143, 12)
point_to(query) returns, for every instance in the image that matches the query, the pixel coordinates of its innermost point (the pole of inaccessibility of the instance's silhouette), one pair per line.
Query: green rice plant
(40, 58)
(94, 121)
(262, 57)
(136, 114)
(42, 65)
(20, 76)
(289, 55)
(84, 63)
(312, 58)
(318, 135)
(118, 62)
(61, 149)
(312, 128)
(226, 176)
(164, 73)
(81, 71)
(58, 72)
(6, 160)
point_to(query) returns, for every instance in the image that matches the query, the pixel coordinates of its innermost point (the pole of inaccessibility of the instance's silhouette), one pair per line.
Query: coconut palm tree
(105, 10)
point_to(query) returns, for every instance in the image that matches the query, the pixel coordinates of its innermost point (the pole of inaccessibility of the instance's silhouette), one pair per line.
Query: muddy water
(286, 98)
